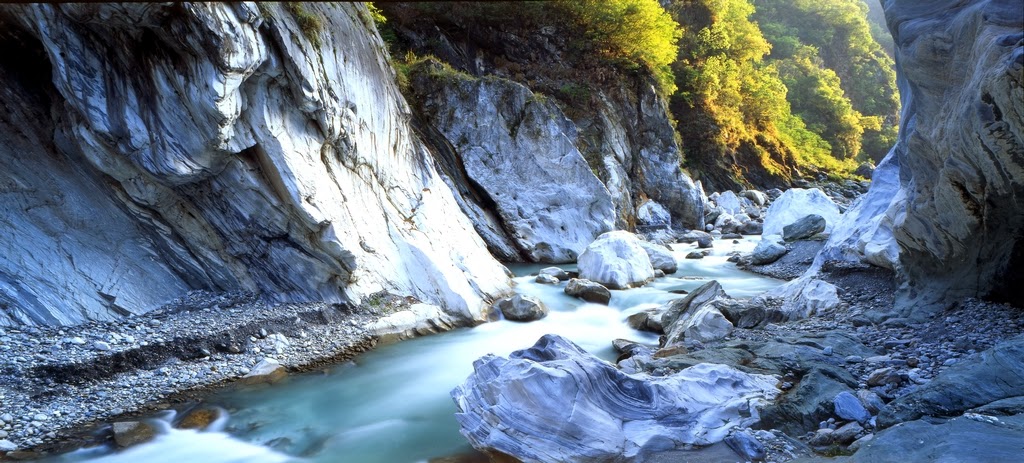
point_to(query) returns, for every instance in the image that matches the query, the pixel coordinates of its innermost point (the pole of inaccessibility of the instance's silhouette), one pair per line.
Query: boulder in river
(661, 258)
(588, 291)
(521, 308)
(616, 260)
(556, 272)
(556, 402)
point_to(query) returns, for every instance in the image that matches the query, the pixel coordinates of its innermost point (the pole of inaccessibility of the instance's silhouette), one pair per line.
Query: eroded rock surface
(555, 402)
(224, 149)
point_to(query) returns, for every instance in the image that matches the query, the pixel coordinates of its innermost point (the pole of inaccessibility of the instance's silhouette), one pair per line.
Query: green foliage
(376, 14)
(835, 36)
(309, 23)
(633, 32)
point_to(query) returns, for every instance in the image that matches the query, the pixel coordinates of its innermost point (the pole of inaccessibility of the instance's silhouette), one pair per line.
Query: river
(392, 404)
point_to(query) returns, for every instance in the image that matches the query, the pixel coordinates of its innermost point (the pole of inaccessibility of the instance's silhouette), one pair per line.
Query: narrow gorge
(223, 224)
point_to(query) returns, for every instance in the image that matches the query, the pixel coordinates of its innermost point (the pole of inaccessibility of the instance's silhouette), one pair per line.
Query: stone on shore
(768, 250)
(616, 260)
(588, 291)
(695, 317)
(556, 402)
(268, 371)
(804, 227)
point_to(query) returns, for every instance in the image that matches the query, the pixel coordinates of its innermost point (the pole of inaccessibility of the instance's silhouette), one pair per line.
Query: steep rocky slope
(152, 149)
(944, 207)
(617, 122)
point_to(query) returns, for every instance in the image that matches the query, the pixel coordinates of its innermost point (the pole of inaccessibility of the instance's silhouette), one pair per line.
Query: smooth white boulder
(661, 257)
(797, 203)
(616, 260)
(556, 402)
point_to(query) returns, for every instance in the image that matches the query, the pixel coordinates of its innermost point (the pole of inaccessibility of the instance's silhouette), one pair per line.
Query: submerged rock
(616, 260)
(556, 402)
(588, 291)
(129, 433)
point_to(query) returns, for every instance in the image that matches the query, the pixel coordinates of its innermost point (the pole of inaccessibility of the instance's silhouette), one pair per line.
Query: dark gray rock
(742, 314)
(588, 291)
(960, 440)
(809, 403)
(849, 408)
(521, 308)
(871, 401)
(992, 375)
(695, 255)
(746, 446)
(767, 251)
(805, 227)
(648, 320)
(704, 240)
(751, 227)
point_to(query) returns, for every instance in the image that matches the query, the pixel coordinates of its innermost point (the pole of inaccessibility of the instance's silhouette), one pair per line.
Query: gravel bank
(60, 384)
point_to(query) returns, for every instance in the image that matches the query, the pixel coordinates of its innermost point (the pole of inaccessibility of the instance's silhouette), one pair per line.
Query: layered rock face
(519, 148)
(621, 128)
(152, 149)
(948, 195)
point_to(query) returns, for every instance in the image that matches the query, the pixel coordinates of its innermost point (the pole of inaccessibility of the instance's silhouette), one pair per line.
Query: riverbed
(393, 404)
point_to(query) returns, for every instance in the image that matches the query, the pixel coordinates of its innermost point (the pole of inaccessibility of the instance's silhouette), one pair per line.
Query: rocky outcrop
(555, 402)
(153, 149)
(945, 193)
(617, 121)
(520, 149)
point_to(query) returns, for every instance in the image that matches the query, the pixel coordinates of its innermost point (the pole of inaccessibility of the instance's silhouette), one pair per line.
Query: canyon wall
(149, 150)
(946, 207)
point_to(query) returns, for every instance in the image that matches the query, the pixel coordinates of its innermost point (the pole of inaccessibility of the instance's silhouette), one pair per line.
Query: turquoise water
(392, 404)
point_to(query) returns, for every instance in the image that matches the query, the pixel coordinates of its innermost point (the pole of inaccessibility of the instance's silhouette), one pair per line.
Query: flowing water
(393, 404)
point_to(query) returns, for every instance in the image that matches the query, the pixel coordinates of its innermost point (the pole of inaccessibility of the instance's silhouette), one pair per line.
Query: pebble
(7, 446)
(101, 346)
(77, 340)
(40, 417)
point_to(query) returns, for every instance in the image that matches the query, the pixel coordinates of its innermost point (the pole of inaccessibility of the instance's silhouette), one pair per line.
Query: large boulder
(729, 203)
(556, 402)
(661, 257)
(616, 260)
(804, 227)
(992, 375)
(653, 215)
(588, 291)
(521, 308)
(768, 250)
(696, 317)
(797, 203)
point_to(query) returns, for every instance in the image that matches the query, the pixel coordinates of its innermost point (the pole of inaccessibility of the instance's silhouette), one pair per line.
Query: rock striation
(941, 208)
(149, 150)
(555, 402)
(520, 150)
